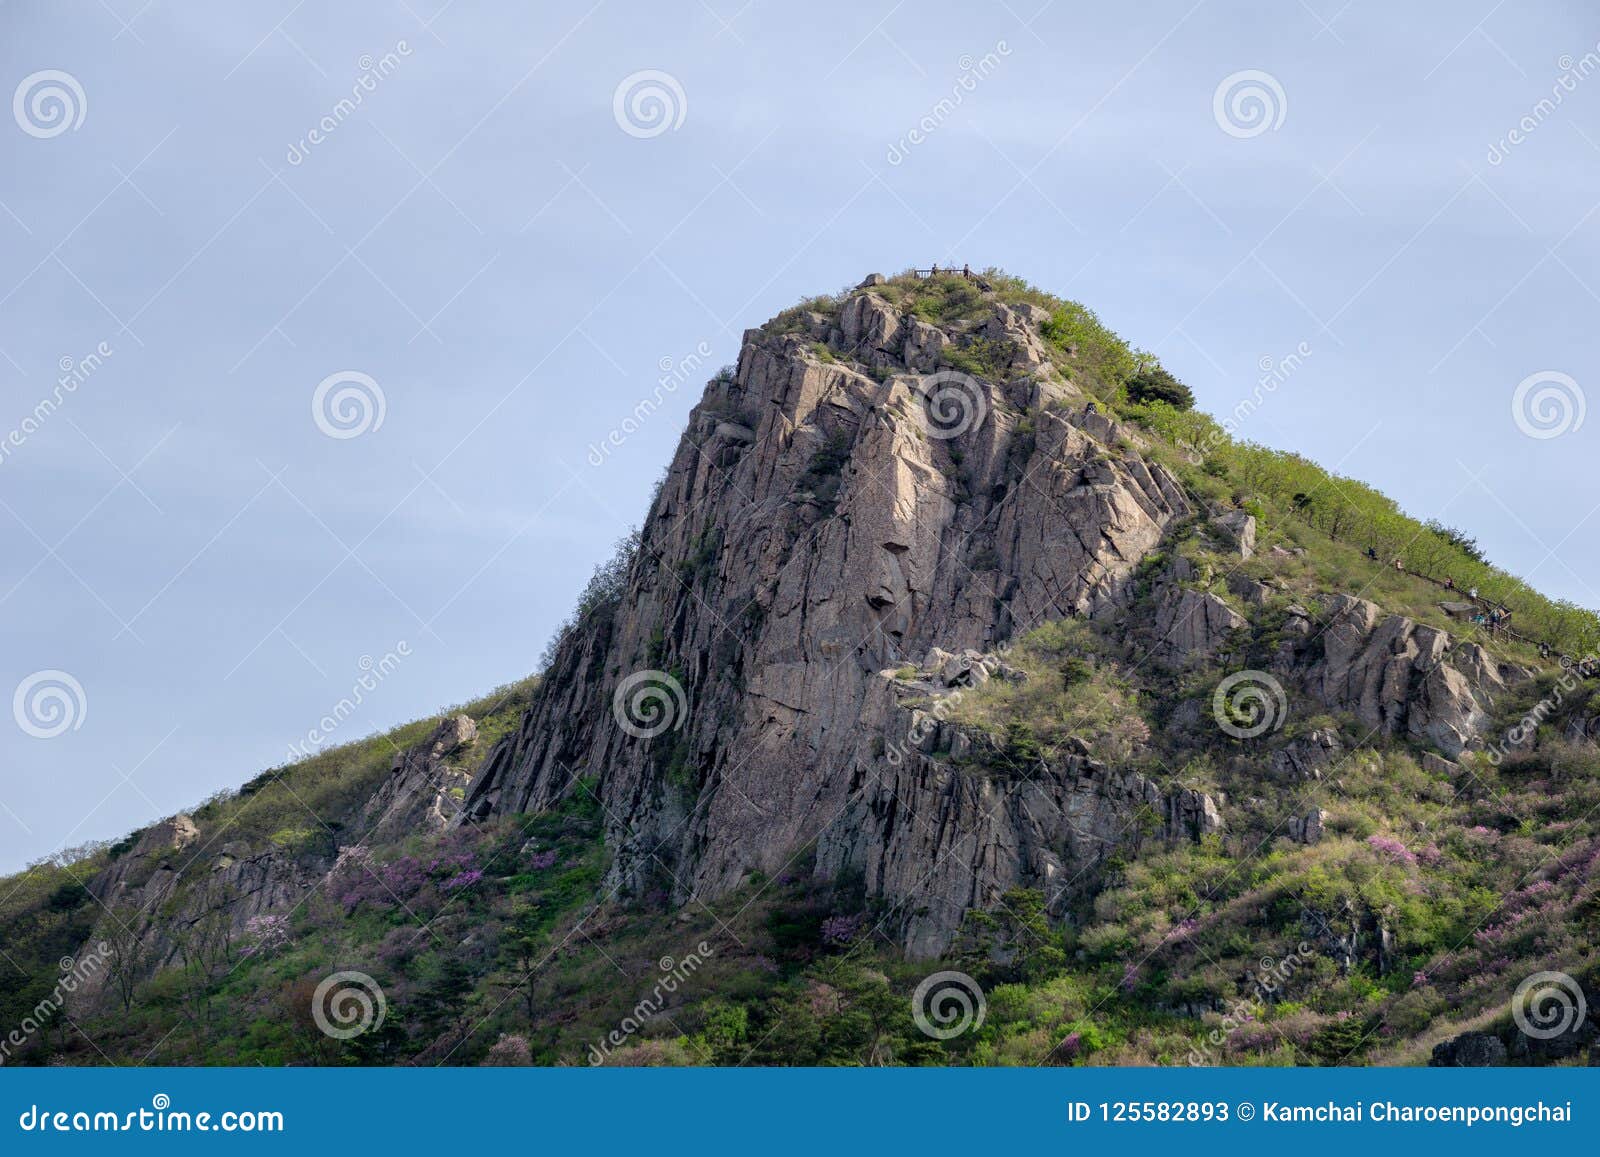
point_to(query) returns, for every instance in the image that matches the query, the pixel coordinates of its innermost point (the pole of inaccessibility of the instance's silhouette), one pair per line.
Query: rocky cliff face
(1402, 679)
(849, 531)
(945, 822)
(174, 897)
(840, 507)
(175, 894)
(818, 677)
(420, 793)
(822, 523)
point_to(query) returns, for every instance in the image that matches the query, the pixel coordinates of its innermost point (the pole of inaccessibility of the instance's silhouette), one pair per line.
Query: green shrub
(980, 356)
(1155, 384)
(1089, 345)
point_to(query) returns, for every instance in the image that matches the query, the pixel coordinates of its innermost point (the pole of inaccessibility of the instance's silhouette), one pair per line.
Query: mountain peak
(953, 631)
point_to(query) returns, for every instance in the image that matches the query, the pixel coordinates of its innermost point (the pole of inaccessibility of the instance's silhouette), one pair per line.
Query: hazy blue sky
(485, 240)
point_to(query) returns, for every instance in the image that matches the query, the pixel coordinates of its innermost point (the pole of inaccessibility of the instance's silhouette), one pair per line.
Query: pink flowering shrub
(509, 1051)
(1392, 848)
(1182, 930)
(356, 882)
(837, 931)
(263, 934)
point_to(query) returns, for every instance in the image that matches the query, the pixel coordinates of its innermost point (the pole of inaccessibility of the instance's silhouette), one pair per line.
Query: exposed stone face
(1017, 327)
(1400, 678)
(419, 793)
(924, 344)
(1239, 528)
(1191, 625)
(1310, 828)
(1438, 764)
(1469, 1050)
(818, 531)
(821, 570)
(158, 849)
(170, 888)
(869, 323)
(950, 824)
(778, 577)
(189, 894)
(1304, 759)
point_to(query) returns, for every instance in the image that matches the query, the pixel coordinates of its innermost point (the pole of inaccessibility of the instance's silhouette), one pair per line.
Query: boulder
(1192, 625)
(1250, 590)
(1239, 528)
(1469, 1050)
(1438, 764)
(924, 345)
(1303, 760)
(1012, 328)
(1401, 678)
(1308, 829)
(869, 323)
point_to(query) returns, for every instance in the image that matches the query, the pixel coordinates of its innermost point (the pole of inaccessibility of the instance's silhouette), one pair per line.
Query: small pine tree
(1154, 384)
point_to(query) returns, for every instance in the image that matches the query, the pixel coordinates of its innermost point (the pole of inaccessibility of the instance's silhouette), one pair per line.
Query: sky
(345, 296)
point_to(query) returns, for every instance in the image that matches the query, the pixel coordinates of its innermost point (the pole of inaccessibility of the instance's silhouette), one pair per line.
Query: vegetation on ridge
(1279, 487)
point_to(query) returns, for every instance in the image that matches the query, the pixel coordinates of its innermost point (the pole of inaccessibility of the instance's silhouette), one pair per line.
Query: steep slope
(844, 504)
(947, 635)
(818, 527)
